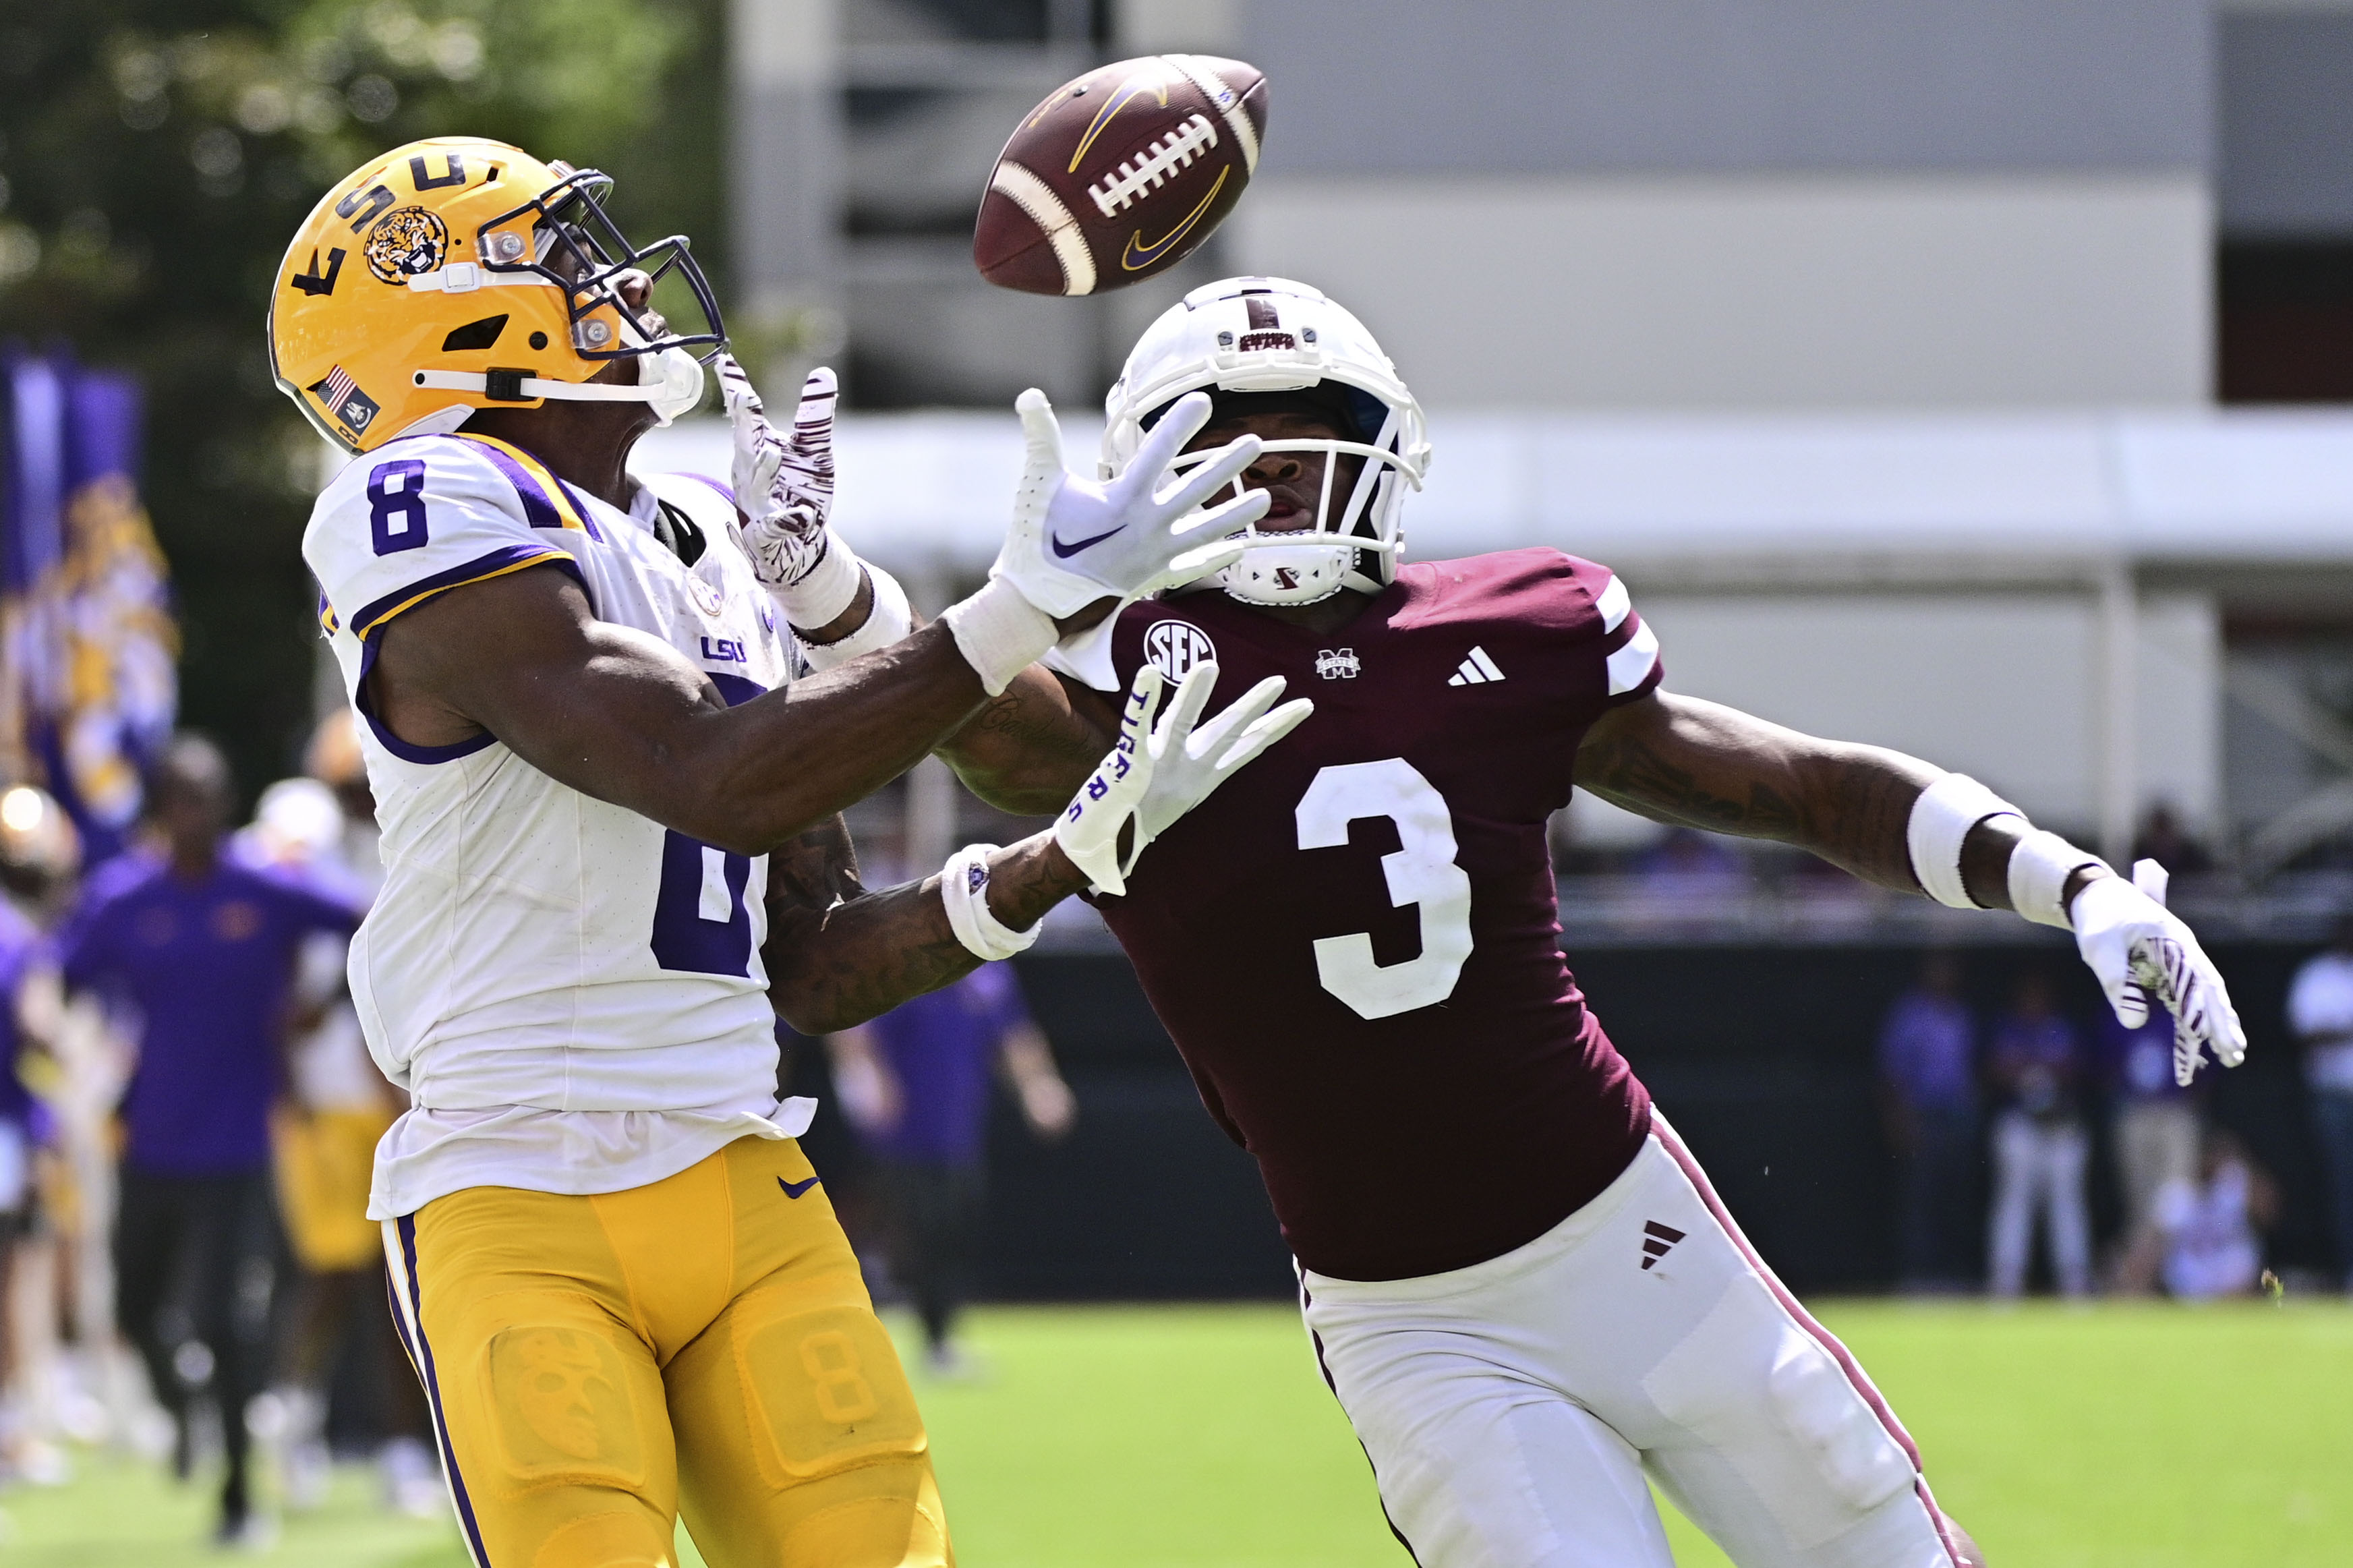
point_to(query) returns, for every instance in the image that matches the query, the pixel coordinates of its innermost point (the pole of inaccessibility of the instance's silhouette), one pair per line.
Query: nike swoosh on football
(1066, 551)
(1137, 258)
(795, 1189)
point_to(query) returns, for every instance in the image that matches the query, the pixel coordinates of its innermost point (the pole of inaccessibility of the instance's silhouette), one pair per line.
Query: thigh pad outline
(822, 1386)
(1756, 1389)
(563, 1403)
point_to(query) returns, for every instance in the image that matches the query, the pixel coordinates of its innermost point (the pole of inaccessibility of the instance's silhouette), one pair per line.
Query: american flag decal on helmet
(345, 400)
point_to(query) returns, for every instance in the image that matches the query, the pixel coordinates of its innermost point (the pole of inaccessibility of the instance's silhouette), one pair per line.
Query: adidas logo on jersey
(1477, 670)
(1658, 1240)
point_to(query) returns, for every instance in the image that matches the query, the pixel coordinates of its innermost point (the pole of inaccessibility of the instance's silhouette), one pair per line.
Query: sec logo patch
(1173, 647)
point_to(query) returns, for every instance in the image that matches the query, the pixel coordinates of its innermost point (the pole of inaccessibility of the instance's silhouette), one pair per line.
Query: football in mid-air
(1120, 174)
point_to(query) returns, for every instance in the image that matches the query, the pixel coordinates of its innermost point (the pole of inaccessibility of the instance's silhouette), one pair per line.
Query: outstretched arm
(1905, 823)
(1032, 745)
(1701, 764)
(839, 954)
(621, 716)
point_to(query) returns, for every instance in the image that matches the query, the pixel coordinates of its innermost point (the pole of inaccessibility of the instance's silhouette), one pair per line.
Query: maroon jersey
(1356, 941)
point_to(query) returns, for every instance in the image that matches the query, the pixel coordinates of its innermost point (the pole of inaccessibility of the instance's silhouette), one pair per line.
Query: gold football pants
(323, 1161)
(598, 1365)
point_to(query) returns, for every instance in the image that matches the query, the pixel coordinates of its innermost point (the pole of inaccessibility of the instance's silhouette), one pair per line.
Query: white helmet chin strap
(1305, 565)
(671, 380)
(1273, 573)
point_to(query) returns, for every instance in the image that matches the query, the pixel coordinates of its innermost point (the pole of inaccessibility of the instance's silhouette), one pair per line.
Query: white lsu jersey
(572, 993)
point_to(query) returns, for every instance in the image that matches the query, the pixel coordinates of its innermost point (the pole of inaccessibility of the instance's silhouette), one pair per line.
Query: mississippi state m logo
(1173, 647)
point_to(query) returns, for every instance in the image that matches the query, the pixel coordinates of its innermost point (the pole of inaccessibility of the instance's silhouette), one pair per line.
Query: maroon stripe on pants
(1674, 1145)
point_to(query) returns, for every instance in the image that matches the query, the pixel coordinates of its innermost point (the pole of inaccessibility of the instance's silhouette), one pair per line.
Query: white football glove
(783, 485)
(1188, 764)
(1157, 773)
(1075, 540)
(2141, 950)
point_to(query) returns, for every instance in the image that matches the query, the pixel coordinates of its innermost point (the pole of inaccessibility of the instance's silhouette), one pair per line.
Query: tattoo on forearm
(1007, 719)
(859, 959)
(1850, 805)
(1636, 771)
(1865, 824)
(818, 868)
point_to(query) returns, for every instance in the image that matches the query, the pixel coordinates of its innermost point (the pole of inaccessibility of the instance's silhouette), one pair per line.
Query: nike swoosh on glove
(2140, 950)
(783, 484)
(1075, 540)
(1160, 770)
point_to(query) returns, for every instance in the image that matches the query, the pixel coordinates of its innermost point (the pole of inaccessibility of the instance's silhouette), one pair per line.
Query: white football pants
(1511, 1409)
(2039, 1165)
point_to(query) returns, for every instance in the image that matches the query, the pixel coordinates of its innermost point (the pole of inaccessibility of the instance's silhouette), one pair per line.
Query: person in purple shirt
(197, 954)
(2036, 1069)
(2155, 1124)
(1928, 1099)
(916, 1084)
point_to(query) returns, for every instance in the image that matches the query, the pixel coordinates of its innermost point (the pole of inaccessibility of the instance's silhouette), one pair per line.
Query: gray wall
(1406, 86)
(2287, 124)
(1746, 204)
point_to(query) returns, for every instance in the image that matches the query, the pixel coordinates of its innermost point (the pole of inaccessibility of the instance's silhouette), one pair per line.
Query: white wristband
(963, 888)
(1940, 823)
(889, 621)
(2039, 869)
(1000, 633)
(829, 588)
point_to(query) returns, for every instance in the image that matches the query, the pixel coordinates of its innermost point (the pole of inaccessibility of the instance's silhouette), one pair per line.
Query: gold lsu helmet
(458, 273)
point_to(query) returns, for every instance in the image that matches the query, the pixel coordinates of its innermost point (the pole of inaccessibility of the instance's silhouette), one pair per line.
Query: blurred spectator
(2155, 1123)
(2162, 840)
(2205, 1240)
(2320, 1014)
(321, 829)
(30, 1002)
(39, 853)
(2036, 1069)
(58, 1335)
(200, 953)
(916, 1084)
(1691, 866)
(1928, 1097)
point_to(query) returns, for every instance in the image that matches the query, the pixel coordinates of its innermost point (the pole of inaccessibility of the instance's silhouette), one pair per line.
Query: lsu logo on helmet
(459, 273)
(406, 243)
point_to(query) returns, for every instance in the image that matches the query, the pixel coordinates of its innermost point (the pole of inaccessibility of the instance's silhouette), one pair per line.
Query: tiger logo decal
(406, 243)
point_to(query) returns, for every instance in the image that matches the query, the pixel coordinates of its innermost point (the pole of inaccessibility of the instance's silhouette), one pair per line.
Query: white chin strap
(671, 381)
(1284, 573)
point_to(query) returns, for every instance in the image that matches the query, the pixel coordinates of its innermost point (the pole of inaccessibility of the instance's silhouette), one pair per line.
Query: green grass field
(1155, 1437)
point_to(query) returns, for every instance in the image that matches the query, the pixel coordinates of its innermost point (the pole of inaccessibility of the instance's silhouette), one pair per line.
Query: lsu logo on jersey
(1173, 647)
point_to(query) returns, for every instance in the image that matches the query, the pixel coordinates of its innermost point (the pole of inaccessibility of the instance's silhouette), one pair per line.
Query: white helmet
(1270, 334)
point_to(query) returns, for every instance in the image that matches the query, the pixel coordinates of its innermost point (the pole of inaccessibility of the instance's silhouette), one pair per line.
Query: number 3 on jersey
(1421, 872)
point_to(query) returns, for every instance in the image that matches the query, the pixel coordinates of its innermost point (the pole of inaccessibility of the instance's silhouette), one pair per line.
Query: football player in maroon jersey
(1519, 1283)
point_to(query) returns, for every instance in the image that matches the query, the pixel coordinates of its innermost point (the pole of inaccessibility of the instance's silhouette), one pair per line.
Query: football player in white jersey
(611, 845)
